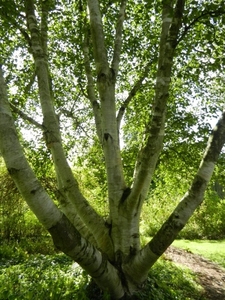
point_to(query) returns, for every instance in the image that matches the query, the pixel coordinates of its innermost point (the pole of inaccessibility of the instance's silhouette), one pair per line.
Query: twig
(133, 92)
(118, 37)
(26, 117)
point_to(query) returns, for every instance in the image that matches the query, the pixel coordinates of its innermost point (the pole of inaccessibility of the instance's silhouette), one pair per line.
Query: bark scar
(107, 135)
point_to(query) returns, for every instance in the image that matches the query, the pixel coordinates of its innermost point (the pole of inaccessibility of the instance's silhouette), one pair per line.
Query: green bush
(207, 222)
(11, 209)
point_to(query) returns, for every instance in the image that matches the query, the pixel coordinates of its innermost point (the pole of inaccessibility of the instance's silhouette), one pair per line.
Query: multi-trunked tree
(109, 250)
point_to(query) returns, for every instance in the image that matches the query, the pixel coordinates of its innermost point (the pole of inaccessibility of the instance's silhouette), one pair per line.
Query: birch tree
(105, 54)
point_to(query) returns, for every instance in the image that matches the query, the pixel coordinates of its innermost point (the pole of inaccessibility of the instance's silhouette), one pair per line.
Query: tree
(65, 56)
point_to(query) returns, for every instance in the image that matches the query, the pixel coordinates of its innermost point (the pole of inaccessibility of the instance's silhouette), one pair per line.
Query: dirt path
(211, 276)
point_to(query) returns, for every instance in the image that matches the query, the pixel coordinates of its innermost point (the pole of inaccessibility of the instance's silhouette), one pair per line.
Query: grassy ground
(212, 250)
(25, 275)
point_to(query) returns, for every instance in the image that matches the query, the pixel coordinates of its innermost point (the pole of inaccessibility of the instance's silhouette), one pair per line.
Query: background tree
(82, 75)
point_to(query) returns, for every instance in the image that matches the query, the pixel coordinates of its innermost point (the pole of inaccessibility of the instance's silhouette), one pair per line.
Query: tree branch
(118, 37)
(44, 26)
(65, 236)
(19, 169)
(106, 87)
(30, 83)
(100, 52)
(70, 188)
(68, 240)
(185, 209)
(216, 13)
(68, 209)
(148, 155)
(132, 93)
(91, 88)
(26, 117)
(11, 15)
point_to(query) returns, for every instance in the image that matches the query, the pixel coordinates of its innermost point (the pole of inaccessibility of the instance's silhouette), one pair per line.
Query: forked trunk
(109, 250)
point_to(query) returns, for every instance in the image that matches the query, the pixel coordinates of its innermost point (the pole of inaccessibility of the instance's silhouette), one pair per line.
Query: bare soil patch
(210, 275)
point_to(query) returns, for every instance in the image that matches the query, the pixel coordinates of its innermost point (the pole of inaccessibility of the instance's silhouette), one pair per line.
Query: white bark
(120, 244)
(137, 268)
(89, 258)
(100, 52)
(65, 236)
(106, 87)
(70, 188)
(91, 90)
(118, 37)
(68, 209)
(185, 209)
(129, 210)
(148, 156)
(20, 171)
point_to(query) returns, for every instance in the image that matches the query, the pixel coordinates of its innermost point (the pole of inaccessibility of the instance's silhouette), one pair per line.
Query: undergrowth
(25, 276)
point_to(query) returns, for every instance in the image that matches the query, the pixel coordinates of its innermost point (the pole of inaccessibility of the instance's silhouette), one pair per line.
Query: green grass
(212, 250)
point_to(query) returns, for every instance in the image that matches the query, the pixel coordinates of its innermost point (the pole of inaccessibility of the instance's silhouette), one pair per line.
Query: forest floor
(210, 275)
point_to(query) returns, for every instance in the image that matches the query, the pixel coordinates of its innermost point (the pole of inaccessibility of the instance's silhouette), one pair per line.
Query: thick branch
(16, 163)
(91, 88)
(68, 240)
(148, 156)
(44, 26)
(68, 209)
(185, 209)
(118, 37)
(106, 79)
(106, 88)
(100, 52)
(70, 189)
(65, 236)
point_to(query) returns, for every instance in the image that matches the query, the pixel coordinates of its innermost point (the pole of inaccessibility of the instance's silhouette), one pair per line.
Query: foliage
(206, 223)
(170, 184)
(89, 169)
(12, 209)
(16, 220)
